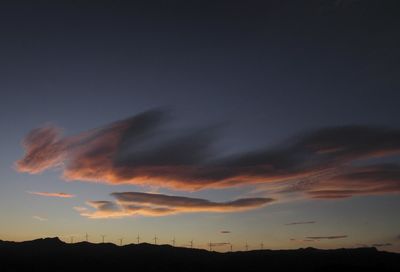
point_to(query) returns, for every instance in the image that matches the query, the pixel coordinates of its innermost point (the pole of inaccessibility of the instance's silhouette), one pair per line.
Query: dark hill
(51, 254)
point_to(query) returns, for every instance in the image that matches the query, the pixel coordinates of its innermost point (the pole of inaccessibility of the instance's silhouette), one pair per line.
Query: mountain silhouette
(52, 254)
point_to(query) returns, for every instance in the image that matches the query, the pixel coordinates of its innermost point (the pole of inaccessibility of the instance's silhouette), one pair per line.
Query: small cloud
(303, 240)
(300, 223)
(381, 245)
(48, 194)
(225, 231)
(39, 218)
(327, 237)
(80, 209)
(135, 203)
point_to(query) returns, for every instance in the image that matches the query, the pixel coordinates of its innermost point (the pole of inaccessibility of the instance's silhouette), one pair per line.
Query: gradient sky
(276, 102)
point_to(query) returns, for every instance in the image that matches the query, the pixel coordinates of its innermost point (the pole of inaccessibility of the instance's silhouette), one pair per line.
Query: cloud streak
(39, 218)
(366, 180)
(145, 150)
(301, 241)
(300, 223)
(134, 203)
(327, 237)
(382, 245)
(48, 194)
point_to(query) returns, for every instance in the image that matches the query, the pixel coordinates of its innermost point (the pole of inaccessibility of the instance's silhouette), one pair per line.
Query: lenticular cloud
(145, 150)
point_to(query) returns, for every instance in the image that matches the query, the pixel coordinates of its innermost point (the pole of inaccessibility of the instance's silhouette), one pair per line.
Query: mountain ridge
(56, 240)
(49, 254)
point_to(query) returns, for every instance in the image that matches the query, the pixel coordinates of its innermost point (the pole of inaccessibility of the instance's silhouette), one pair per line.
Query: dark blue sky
(266, 67)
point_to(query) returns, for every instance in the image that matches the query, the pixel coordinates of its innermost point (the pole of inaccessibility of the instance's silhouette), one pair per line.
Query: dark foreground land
(51, 254)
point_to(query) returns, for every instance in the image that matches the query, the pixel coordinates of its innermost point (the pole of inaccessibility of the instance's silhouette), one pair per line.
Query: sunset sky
(274, 122)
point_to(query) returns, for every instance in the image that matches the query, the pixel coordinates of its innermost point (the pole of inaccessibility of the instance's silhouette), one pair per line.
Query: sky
(223, 122)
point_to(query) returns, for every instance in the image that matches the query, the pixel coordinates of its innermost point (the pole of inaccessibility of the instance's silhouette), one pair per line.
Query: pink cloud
(60, 195)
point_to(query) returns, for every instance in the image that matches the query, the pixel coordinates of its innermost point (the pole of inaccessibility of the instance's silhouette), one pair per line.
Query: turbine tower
(247, 247)
(87, 237)
(191, 244)
(262, 245)
(210, 246)
(102, 238)
(120, 241)
(138, 238)
(155, 239)
(173, 241)
(72, 239)
(231, 247)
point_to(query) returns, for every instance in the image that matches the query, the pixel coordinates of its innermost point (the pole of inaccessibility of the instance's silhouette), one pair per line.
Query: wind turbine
(210, 246)
(120, 241)
(87, 237)
(102, 237)
(247, 247)
(155, 239)
(231, 247)
(138, 238)
(173, 241)
(262, 245)
(191, 244)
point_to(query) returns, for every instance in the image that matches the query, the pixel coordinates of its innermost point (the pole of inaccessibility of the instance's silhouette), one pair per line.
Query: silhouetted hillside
(51, 254)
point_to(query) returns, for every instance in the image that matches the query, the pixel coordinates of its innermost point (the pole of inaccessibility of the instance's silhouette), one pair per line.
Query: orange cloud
(142, 151)
(60, 195)
(145, 204)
